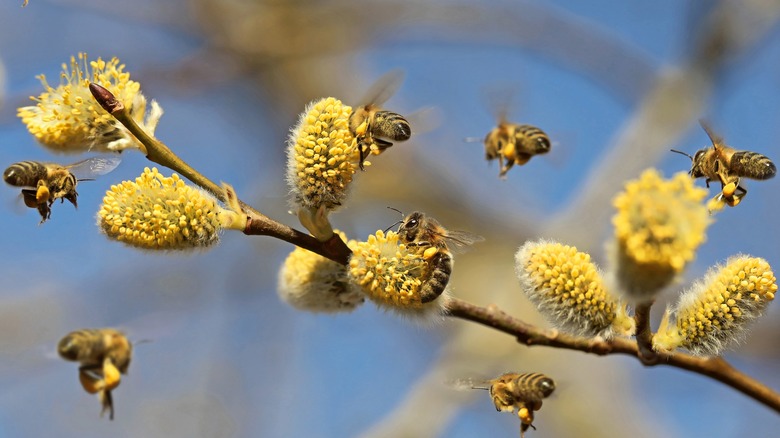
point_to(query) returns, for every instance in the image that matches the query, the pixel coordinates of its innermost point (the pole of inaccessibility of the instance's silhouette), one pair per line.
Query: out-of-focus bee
(103, 354)
(521, 391)
(374, 127)
(513, 143)
(44, 183)
(433, 241)
(727, 165)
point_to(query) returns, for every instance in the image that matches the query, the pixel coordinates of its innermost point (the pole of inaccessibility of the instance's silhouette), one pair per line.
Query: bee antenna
(396, 210)
(391, 226)
(480, 387)
(397, 222)
(142, 341)
(682, 153)
(85, 179)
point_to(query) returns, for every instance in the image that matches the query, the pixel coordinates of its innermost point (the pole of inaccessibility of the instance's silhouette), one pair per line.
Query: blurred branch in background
(2, 84)
(288, 46)
(676, 101)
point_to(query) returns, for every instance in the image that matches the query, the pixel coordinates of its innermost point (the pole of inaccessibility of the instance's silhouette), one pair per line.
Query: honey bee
(44, 183)
(432, 240)
(728, 165)
(521, 391)
(374, 127)
(103, 354)
(513, 143)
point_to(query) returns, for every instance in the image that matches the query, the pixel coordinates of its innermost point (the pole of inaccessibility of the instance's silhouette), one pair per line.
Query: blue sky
(227, 355)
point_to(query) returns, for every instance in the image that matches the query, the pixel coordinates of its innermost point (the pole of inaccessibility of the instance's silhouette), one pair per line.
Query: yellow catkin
(659, 225)
(66, 118)
(322, 156)
(311, 282)
(391, 275)
(566, 287)
(157, 212)
(716, 311)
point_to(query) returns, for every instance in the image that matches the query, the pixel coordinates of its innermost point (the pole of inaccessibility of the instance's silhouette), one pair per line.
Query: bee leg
(42, 193)
(381, 145)
(732, 193)
(28, 195)
(72, 198)
(526, 417)
(505, 168)
(362, 150)
(521, 159)
(108, 403)
(524, 428)
(111, 375)
(45, 211)
(90, 381)
(739, 193)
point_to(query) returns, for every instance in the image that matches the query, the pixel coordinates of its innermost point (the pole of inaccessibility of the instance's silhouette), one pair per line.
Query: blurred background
(615, 85)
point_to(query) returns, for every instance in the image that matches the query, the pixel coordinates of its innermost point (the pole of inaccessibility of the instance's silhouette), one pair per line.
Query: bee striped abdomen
(752, 165)
(25, 173)
(531, 140)
(392, 125)
(440, 271)
(535, 384)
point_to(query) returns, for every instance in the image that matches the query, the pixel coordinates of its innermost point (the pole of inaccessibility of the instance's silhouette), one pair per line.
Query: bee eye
(411, 223)
(68, 349)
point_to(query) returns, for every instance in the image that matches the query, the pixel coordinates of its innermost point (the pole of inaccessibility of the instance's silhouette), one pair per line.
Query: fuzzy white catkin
(568, 290)
(313, 283)
(715, 313)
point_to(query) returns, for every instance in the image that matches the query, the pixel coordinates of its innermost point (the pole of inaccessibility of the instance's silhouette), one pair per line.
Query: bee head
(68, 348)
(410, 226)
(696, 170)
(696, 164)
(64, 187)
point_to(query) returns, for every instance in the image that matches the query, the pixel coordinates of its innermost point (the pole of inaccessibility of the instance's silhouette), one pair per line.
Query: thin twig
(644, 334)
(716, 368)
(257, 223)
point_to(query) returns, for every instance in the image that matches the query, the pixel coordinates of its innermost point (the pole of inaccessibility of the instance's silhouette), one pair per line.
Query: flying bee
(103, 354)
(521, 391)
(728, 165)
(433, 241)
(44, 183)
(374, 127)
(512, 143)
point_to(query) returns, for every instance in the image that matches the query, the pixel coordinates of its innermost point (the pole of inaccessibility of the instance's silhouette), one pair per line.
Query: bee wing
(384, 88)
(459, 240)
(468, 383)
(92, 167)
(715, 138)
(425, 119)
(498, 101)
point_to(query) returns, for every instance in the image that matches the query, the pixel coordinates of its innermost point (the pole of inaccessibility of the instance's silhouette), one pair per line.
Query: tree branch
(716, 368)
(257, 223)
